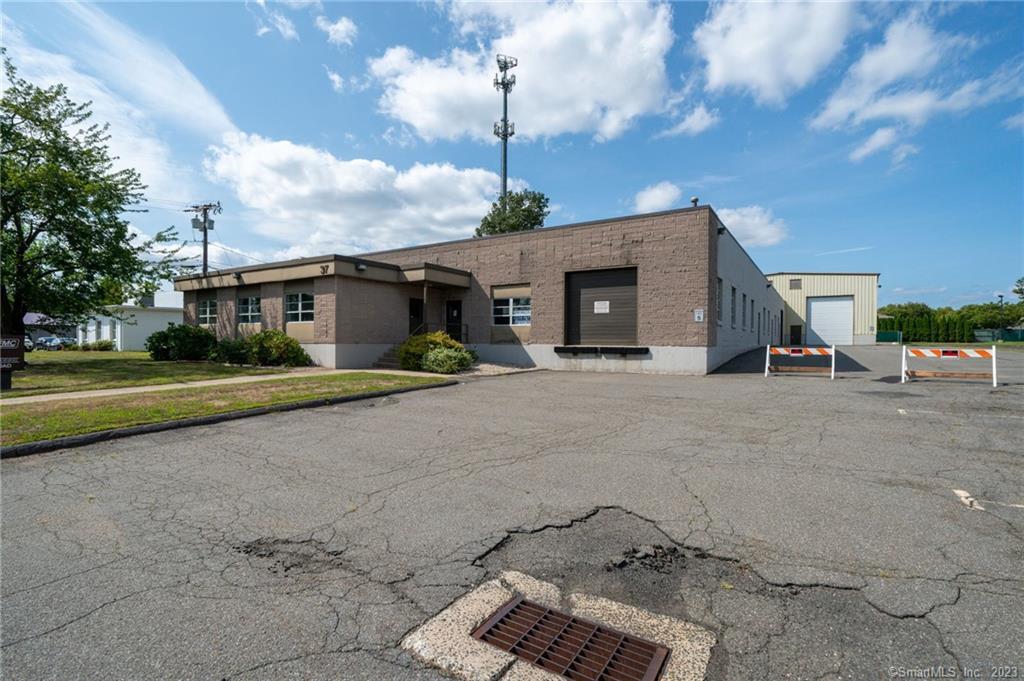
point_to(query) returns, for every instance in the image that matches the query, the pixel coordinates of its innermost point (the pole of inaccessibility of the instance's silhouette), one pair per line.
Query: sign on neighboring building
(602, 307)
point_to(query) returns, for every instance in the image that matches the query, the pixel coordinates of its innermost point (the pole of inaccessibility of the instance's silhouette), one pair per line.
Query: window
(733, 308)
(743, 313)
(512, 311)
(718, 297)
(207, 311)
(795, 284)
(249, 310)
(298, 307)
(751, 315)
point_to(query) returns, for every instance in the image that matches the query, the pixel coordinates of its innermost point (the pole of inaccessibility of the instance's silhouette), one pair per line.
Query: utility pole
(504, 129)
(204, 224)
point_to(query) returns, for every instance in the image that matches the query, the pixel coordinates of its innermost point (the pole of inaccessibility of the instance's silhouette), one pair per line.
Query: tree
(66, 243)
(1018, 289)
(906, 310)
(518, 212)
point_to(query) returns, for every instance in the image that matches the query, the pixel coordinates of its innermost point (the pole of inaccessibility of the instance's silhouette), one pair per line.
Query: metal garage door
(830, 320)
(601, 307)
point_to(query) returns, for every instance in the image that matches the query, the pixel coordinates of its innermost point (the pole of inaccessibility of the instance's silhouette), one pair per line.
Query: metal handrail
(443, 326)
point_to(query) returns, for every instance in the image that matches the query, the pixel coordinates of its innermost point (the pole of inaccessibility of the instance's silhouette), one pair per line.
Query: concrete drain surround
(570, 646)
(446, 642)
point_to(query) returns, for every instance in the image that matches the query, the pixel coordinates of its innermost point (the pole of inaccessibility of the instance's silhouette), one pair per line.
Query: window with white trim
(512, 311)
(207, 311)
(298, 307)
(249, 310)
(743, 313)
(752, 322)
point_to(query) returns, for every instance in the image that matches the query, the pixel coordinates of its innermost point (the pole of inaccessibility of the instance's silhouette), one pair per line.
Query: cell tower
(504, 129)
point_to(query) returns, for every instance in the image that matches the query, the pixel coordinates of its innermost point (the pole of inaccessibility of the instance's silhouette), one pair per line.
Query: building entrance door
(415, 315)
(453, 319)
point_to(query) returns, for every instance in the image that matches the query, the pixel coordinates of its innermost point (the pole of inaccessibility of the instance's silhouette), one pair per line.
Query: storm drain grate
(569, 646)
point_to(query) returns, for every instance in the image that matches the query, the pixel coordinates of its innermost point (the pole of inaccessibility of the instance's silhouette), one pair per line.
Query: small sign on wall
(602, 307)
(698, 314)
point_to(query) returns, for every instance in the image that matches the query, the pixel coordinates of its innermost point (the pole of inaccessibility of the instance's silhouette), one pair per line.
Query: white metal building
(128, 326)
(828, 308)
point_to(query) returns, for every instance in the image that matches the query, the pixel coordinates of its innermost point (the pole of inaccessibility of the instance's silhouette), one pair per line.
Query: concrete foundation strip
(70, 441)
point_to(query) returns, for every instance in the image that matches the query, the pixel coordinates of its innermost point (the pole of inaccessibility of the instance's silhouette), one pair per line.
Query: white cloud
(316, 202)
(135, 136)
(144, 72)
(399, 136)
(1015, 121)
(590, 68)
(902, 153)
(754, 225)
(920, 290)
(771, 49)
(661, 196)
(887, 82)
(340, 32)
(879, 139)
(337, 82)
(268, 19)
(697, 121)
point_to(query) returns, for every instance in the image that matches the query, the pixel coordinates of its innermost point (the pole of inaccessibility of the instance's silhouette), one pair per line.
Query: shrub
(73, 346)
(447, 360)
(181, 342)
(275, 348)
(102, 345)
(411, 352)
(230, 351)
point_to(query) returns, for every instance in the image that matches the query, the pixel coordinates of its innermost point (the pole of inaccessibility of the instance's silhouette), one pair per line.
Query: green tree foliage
(518, 212)
(906, 310)
(1018, 289)
(66, 243)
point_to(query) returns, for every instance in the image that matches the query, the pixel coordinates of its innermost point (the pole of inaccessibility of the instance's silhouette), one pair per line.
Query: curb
(70, 441)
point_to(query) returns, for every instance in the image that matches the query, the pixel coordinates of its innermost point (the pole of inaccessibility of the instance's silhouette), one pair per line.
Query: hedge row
(184, 342)
(952, 328)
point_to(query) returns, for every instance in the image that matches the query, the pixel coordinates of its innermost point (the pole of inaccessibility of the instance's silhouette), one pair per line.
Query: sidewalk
(82, 394)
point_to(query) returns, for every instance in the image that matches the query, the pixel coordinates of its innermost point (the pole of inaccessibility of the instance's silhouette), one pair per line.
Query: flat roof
(842, 274)
(331, 257)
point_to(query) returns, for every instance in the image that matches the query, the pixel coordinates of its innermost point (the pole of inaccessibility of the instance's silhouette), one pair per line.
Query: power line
(204, 223)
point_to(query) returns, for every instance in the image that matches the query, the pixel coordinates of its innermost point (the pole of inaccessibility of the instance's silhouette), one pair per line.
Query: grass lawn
(60, 372)
(46, 420)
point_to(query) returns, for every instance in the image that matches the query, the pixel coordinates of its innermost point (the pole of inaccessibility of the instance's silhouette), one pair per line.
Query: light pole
(504, 129)
(1000, 300)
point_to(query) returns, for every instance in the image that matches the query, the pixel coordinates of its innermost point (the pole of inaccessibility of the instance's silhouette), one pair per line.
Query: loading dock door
(830, 320)
(601, 307)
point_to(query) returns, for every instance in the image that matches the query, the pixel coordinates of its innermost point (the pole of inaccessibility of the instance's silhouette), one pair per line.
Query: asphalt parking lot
(847, 529)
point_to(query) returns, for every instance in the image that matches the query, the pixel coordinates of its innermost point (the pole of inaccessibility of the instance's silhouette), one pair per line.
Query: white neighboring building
(130, 325)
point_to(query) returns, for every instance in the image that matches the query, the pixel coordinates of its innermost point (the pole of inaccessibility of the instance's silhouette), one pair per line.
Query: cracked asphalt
(811, 524)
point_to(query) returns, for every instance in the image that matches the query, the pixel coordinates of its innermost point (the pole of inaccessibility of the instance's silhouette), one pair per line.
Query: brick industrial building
(669, 292)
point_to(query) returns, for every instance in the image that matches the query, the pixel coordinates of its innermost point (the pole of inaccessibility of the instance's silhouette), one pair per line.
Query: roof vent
(694, 200)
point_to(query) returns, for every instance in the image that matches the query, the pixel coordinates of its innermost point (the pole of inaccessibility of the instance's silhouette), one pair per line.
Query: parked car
(29, 345)
(68, 341)
(49, 343)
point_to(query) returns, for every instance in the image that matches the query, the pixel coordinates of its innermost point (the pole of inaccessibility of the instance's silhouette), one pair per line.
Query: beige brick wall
(673, 254)
(191, 309)
(272, 305)
(374, 312)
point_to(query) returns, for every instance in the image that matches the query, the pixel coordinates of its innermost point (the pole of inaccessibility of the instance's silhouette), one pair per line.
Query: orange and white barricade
(784, 351)
(948, 354)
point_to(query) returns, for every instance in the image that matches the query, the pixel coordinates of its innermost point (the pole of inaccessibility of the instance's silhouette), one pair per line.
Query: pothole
(791, 627)
(288, 556)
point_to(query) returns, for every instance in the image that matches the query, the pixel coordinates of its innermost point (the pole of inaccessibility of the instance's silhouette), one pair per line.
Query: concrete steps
(389, 360)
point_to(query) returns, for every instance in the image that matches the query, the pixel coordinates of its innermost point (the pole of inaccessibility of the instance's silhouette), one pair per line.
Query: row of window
(743, 310)
(298, 307)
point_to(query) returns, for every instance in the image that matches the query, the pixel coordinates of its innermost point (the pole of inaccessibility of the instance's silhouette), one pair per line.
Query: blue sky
(829, 137)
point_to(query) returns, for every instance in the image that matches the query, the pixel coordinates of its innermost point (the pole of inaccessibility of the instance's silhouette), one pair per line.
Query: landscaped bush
(181, 342)
(73, 346)
(102, 345)
(275, 348)
(411, 352)
(447, 360)
(231, 351)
